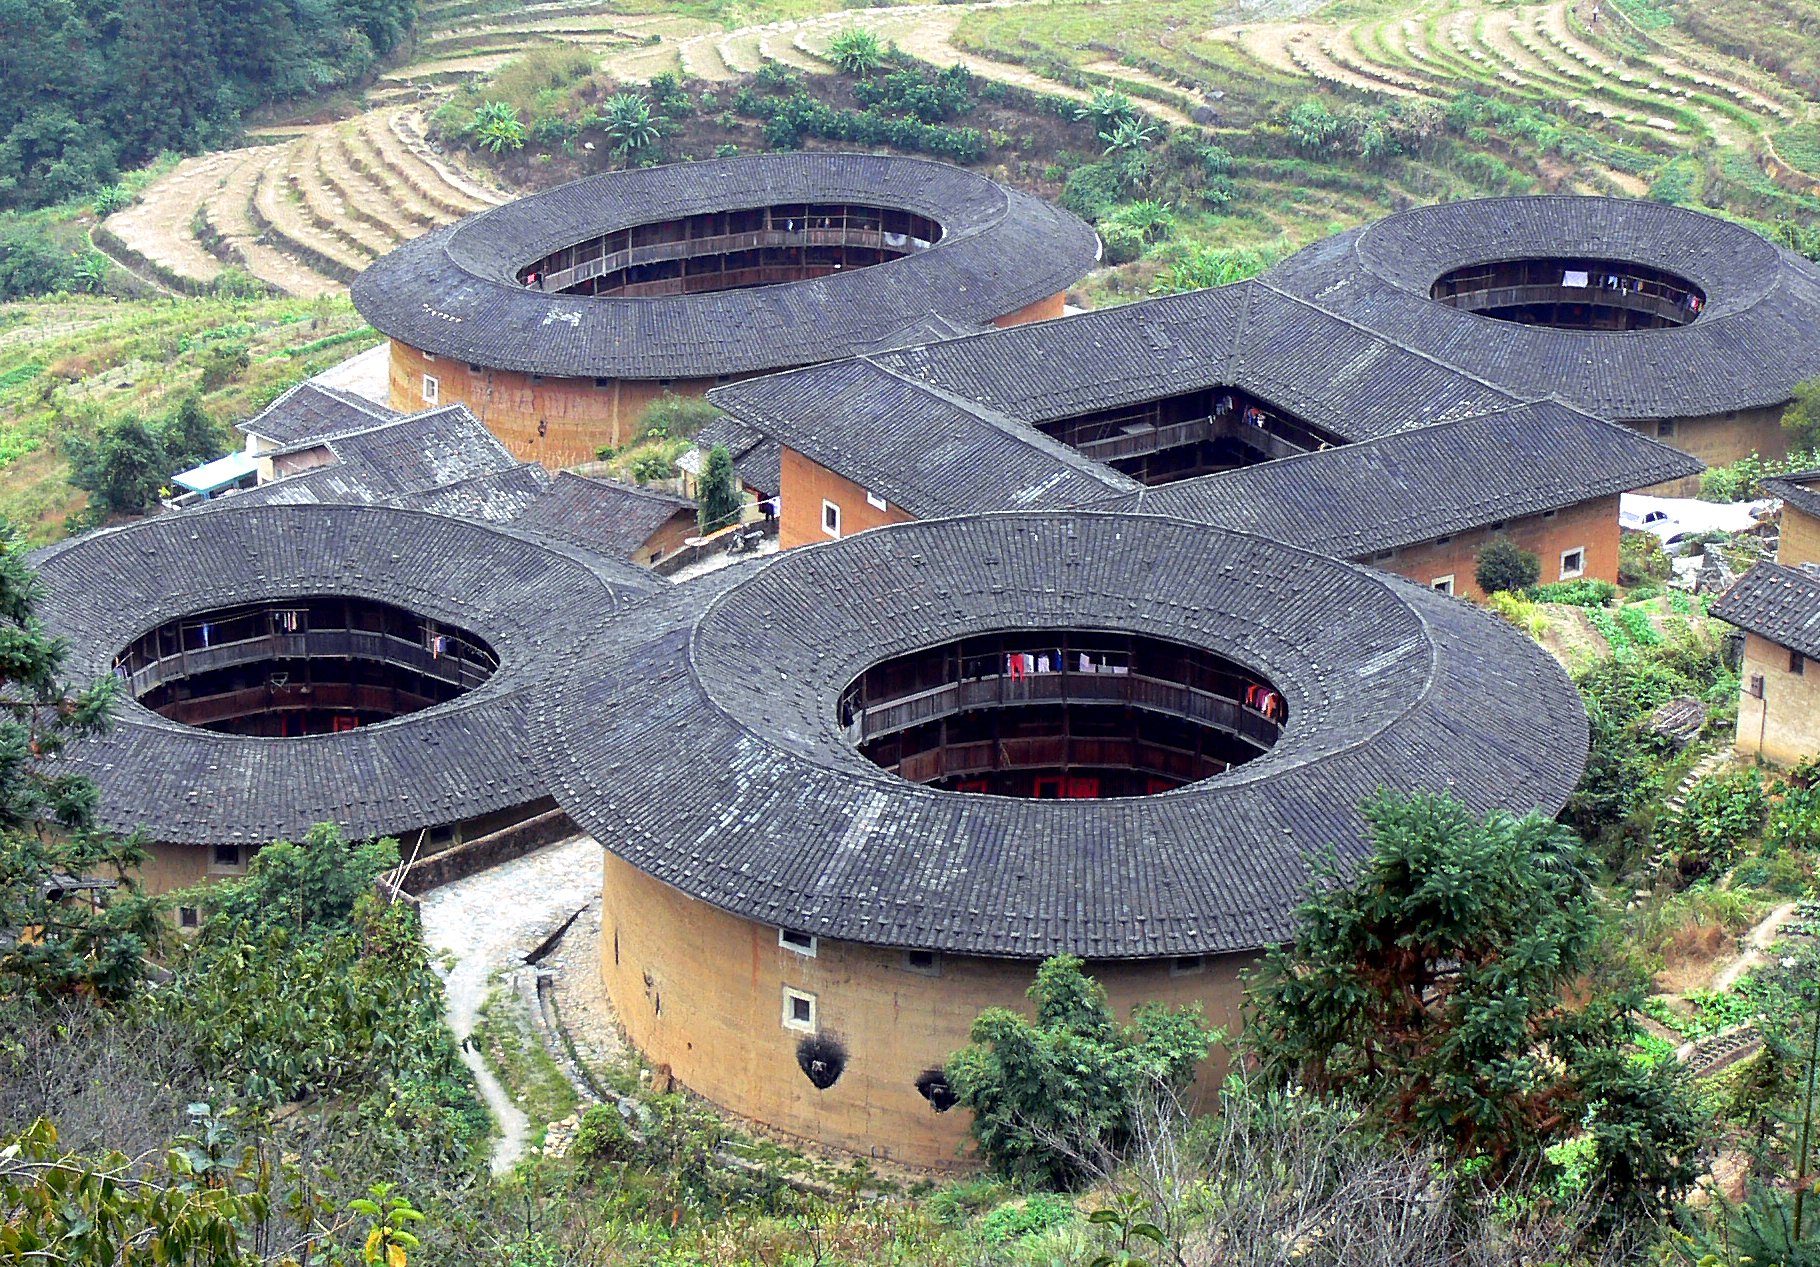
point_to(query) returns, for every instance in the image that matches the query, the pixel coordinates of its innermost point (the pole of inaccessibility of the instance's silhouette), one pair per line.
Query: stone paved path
(492, 921)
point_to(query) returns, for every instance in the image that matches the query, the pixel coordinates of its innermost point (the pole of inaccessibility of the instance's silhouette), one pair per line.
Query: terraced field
(305, 211)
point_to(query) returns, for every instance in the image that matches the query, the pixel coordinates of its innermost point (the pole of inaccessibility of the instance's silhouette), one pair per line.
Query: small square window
(1573, 563)
(476, 369)
(926, 962)
(603, 382)
(1383, 555)
(1441, 541)
(830, 519)
(1187, 965)
(432, 390)
(1797, 663)
(875, 501)
(227, 855)
(188, 917)
(1665, 429)
(1443, 584)
(801, 943)
(1755, 689)
(1550, 514)
(799, 1010)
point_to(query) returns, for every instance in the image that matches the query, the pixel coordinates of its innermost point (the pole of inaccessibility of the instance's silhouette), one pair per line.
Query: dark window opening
(933, 1086)
(823, 1059)
(1797, 663)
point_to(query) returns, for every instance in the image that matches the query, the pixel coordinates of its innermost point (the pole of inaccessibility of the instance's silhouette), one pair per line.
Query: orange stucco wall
(702, 992)
(556, 421)
(805, 485)
(1041, 310)
(1591, 526)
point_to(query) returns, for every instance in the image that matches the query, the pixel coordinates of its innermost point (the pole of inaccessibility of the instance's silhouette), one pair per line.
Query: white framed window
(1573, 563)
(801, 943)
(432, 389)
(1442, 583)
(830, 518)
(874, 500)
(926, 962)
(799, 1010)
(1187, 965)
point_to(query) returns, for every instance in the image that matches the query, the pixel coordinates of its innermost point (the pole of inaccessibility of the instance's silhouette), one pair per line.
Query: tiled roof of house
(1356, 499)
(534, 604)
(454, 291)
(496, 496)
(915, 445)
(309, 411)
(712, 757)
(1757, 336)
(601, 515)
(1778, 603)
(1800, 489)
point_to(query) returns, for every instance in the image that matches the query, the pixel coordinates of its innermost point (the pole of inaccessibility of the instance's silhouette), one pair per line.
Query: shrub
(1721, 810)
(1093, 191)
(1504, 567)
(112, 198)
(601, 1136)
(1520, 612)
(1036, 1213)
(31, 262)
(630, 124)
(497, 128)
(1053, 1097)
(1107, 110)
(718, 499)
(673, 417)
(1641, 558)
(1586, 592)
(1801, 419)
(856, 51)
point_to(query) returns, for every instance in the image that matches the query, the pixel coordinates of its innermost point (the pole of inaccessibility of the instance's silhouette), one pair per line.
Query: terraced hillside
(1635, 111)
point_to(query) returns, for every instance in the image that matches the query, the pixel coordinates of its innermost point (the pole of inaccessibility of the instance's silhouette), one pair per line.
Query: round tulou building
(282, 666)
(857, 796)
(559, 317)
(1685, 326)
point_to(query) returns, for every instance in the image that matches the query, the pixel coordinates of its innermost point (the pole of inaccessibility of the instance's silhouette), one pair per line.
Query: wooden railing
(1666, 305)
(724, 244)
(1054, 753)
(1131, 444)
(337, 697)
(1002, 691)
(315, 644)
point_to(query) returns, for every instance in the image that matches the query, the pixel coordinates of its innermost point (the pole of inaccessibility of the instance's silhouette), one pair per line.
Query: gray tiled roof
(918, 447)
(388, 460)
(1778, 603)
(1800, 489)
(713, 759)
(310, 411)
(756, 456)
(496, 496)
(601, 515)
(453, 291)
(1757, 337)
(1406, 488)
(534, 604)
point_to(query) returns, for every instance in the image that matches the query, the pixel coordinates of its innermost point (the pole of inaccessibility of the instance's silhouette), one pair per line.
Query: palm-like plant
(1128, 136)
(856, 51)
(627, 120)
(497, 128)
(1107, 110)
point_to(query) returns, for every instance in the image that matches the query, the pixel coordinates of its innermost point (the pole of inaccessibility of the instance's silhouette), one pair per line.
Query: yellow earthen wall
(701, 991)
(1719, 440)
(805, 485)
(1592, 526)
(1800, 538)
(1041, 310)
(1783, 726)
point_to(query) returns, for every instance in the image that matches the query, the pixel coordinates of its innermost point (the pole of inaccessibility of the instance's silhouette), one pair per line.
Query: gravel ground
(491, 921)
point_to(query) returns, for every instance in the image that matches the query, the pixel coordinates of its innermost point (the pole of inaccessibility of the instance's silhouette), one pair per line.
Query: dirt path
(1756, 947)
(491, 921)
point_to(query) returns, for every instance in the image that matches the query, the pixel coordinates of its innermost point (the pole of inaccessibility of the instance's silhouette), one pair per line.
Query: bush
(1586, 592)
(1093, 191)
(718, 498)
(1036, 1213)
(1520, 612)
(1722, 810)
(1054, 1097)
(31, 262)
(1504, 567)
(856, 51)
(601, 1136)
(1801, 419)
(1642, 559)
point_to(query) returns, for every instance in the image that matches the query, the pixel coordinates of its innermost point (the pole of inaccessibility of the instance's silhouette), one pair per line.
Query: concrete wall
(1591, 526)
(1800, 538)
(805, 485)
(702, 992)
(1784, 725)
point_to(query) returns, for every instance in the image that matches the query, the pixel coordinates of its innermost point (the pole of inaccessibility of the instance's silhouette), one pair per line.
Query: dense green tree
(31, 262)
(1052, 1098)
(1801, 419)
(313, 883)
(59, 942)
(718, 500)
(191, 436)
(1435, 987)
(1503, 566)
(123, 468)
